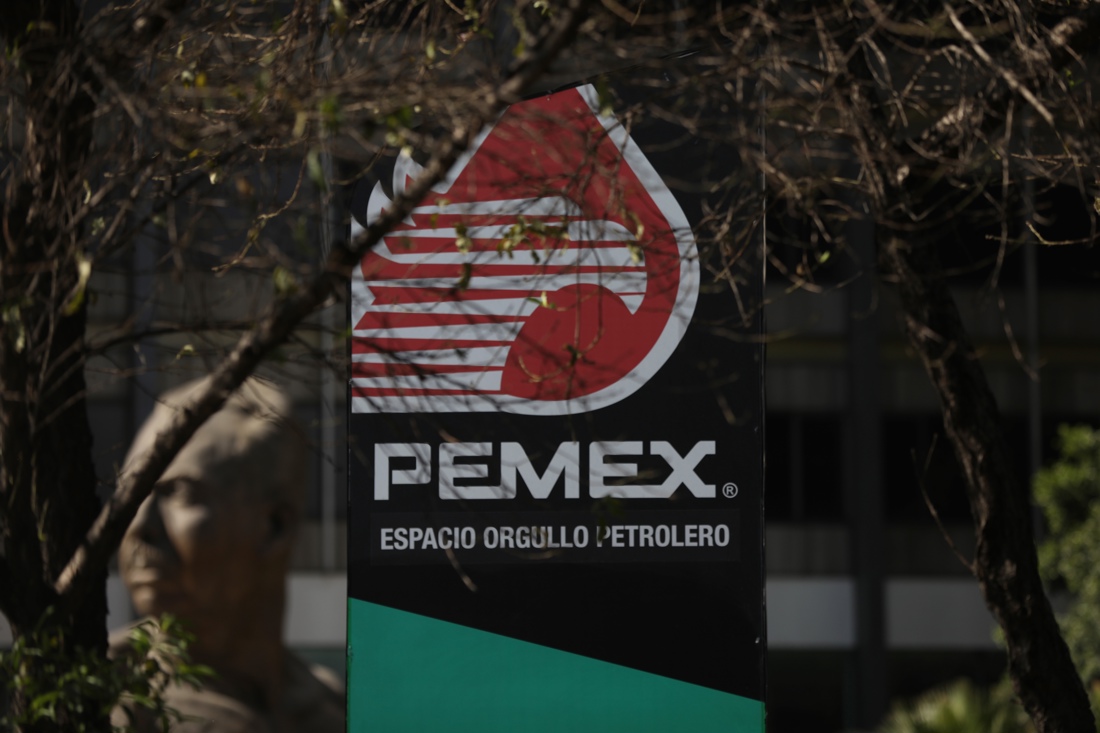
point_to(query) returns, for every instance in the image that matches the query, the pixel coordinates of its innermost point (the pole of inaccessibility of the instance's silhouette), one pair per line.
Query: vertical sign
(555, 500)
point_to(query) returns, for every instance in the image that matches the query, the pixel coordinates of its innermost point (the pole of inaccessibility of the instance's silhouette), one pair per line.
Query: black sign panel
(556, 434)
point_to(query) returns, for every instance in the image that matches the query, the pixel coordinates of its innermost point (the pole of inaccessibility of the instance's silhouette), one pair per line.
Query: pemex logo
(552, 272)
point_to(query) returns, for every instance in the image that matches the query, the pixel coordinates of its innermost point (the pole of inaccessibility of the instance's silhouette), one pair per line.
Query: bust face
(198, 545)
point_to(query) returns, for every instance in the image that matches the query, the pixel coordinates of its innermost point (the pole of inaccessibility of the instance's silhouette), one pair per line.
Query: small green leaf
(603, 96)
(544, 301)
(463, 243)
(331, 113)
(315, 170)
(43, 26)
(464, 280)
(285, 282)
(83, 272)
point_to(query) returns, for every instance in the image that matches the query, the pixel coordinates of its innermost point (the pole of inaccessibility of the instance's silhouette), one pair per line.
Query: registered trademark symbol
(729, 491)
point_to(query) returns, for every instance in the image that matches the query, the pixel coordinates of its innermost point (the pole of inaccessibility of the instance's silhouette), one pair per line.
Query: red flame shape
(552, 272)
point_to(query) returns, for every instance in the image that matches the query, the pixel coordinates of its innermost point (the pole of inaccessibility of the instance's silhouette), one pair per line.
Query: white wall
(803, 613)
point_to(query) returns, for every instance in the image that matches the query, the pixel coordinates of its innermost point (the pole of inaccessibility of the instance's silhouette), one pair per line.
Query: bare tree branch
(922, 477)
(285, 315)
(1005, 73)
(1064, 45)
(126, 335)
(1005, 561)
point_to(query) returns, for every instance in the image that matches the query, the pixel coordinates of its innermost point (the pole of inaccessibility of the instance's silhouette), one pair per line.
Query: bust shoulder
(312, 700)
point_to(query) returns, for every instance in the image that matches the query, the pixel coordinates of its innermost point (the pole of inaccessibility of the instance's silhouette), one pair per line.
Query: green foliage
(331, 113)
(70, 689)
(316, 170)
(11, 320)
(463, 243)
(1069, 494)
(84, 272)
(284, 281)
(960, 707)
(339, 15)
(536, 235)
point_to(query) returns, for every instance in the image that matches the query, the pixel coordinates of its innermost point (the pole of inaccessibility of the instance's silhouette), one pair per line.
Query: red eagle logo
(551, 272)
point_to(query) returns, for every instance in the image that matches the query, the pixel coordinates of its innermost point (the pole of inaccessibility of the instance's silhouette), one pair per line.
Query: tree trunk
(47, 475)
(1005, 562)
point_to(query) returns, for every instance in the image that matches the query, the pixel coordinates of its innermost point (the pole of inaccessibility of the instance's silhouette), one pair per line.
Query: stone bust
(212, 546)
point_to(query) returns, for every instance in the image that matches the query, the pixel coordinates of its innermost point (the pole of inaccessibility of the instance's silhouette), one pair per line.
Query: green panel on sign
(409, 673)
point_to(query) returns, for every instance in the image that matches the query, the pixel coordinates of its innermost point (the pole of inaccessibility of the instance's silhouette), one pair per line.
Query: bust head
(212, 543)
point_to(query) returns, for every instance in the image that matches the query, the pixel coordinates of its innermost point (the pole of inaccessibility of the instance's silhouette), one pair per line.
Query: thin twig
(999, 69)
(968, 564)
(285, 315)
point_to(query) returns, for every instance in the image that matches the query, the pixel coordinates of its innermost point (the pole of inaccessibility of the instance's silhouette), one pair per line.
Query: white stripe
(560, 257)
(599, 230)
(517, 307)
(472, 402)
(619, 282)
(474, 356)
(463, 332)
(548, 206)
(483, 381)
